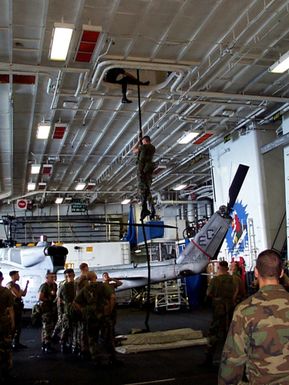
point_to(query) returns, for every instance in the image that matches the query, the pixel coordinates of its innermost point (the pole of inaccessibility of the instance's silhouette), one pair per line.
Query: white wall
(261, 198)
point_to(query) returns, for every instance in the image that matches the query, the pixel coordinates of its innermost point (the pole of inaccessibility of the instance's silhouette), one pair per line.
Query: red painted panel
(58, 132)
(83, 57)
(90, 36)
(4, 78)
(203, 138)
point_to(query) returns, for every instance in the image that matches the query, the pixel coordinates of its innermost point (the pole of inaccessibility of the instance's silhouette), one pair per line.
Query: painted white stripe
(152, 382)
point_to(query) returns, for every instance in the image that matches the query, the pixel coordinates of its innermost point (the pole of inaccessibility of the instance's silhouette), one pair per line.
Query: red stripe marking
(199, 247)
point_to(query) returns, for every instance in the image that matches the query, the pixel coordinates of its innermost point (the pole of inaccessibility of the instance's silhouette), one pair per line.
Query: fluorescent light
(137, 251)
(187, 137)
(60, 41)
(31, 186)
(35, 168)
(180, 187)
(281, 65)
(80, 186)
(43, 130)
(125, 201)
(59, 200)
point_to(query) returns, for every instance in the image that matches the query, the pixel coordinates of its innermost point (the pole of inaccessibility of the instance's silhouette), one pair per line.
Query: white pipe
(59, 78)
(79, 84)
(16, 68)
(106, 65)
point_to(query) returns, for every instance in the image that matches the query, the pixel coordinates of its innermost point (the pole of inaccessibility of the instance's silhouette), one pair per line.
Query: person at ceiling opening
(145, 167)
(120, 76)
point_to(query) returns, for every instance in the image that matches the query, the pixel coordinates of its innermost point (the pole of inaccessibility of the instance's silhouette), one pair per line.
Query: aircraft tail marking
(199, 247)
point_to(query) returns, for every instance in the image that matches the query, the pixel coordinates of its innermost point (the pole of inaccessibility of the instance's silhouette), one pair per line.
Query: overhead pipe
(104, 66)
(58, 80)
(30, 68)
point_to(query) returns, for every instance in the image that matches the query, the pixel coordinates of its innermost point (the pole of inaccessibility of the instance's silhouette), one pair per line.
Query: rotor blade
(98, 222)
(236, 185)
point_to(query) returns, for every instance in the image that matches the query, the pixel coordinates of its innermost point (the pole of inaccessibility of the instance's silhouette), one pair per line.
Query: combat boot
(144, 211)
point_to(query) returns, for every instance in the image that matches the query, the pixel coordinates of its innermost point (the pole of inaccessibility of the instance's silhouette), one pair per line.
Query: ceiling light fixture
(280, 65)
(31, 186)
(187, 137)
(43, 130)
(80, 186)
(58, 200)
(35, 169)
(125, 201)
(180, 187)
(61, 37)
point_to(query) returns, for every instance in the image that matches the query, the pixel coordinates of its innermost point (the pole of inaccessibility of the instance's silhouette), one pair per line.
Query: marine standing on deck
(18, 306)
(47, 298)
(7, 326)
(81, 345)
(95, 301)
(258, 339)
(65, 296)
(223, 290)
(113, 284)
(145, 167)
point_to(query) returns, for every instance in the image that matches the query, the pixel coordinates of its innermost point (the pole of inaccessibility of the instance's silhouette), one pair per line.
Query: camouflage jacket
(6, 301)
(93, 299)
(258, 340)
(145, 157)
(222, 288)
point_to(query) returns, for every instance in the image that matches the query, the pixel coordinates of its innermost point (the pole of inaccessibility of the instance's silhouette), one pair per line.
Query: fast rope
(143, 227)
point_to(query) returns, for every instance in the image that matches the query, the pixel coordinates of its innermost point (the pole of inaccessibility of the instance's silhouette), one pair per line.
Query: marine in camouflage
(258, 340)
(145, 171)
(49, 310)
(6, 332)
(93, 299)
(222, 289)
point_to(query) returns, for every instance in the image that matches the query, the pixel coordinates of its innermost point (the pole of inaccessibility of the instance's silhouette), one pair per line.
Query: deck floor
(166, 367)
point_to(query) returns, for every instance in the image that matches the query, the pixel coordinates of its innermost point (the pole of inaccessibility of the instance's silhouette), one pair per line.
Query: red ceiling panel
(18, 79)
(47, 169)
(87, 43)
(59, 131)
(203, 138)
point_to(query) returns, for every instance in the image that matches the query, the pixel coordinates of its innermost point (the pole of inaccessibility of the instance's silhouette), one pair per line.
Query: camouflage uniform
(60, 311)
(145, 172)
(68, 326)
(92, 299)
(6, 301)
(49, 311)
(18, 308)
(258, 340)
(81, 343)
(222, 290)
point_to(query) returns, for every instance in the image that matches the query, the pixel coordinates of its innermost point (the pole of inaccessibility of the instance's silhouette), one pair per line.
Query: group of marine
(79, 314)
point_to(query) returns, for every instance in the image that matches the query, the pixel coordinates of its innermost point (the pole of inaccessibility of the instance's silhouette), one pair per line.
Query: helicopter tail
(208, 241)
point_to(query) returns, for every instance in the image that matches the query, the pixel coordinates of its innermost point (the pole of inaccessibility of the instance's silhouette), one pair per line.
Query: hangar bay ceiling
(207, 63)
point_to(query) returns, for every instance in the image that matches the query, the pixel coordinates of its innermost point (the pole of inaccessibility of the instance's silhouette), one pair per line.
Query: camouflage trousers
(5, 347)
(80, 340)
(107, 335)
(18, 322)
(58, 325)
(49, 320)
(93, 333)
(101, 339)
(222, 316)
(68, 332)
(144, 187)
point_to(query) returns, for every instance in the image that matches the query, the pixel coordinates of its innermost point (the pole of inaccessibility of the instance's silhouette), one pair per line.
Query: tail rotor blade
(236, 185)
